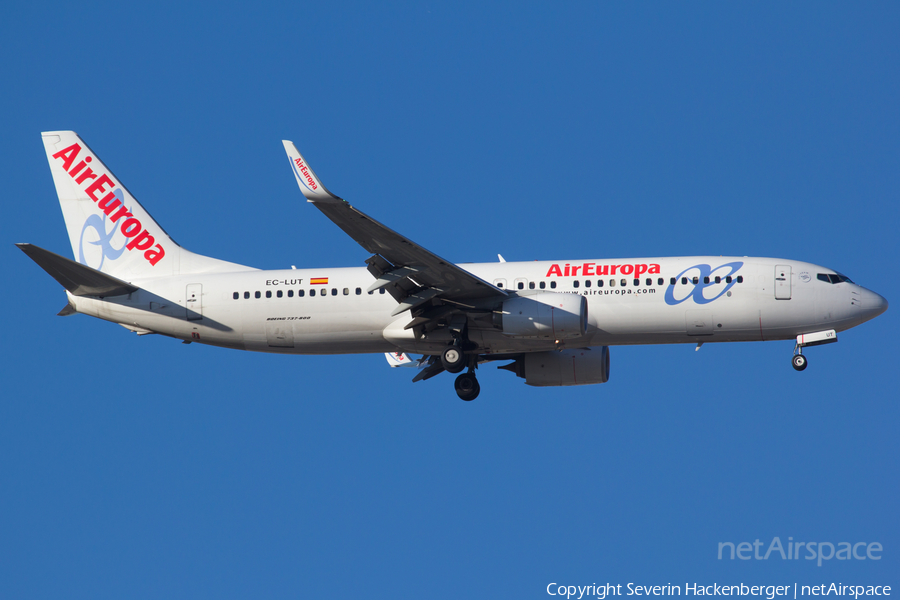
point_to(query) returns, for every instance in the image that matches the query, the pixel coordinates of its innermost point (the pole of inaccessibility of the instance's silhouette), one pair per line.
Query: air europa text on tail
(99, 183)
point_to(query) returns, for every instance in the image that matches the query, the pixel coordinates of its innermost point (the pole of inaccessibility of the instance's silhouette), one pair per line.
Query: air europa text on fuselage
(590, 269)
(305, 171)
(140, 238)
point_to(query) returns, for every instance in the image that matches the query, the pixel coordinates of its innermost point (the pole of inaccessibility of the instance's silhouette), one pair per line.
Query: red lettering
(98, 186)
(604, 270)
(130, 227)
(122, 212)
(68, 155)
(106, 203)
(575, 271)
(80, 166)
(614, 267)
(626, 269)
(88, 174)
(639, 270)
(141, 242)
(654, 269)
(154, 256)
(554, 270)
(566, 271)
(588, 269)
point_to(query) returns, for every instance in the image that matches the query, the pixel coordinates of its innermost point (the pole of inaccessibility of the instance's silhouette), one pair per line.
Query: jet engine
(580, 366)
(548, 315)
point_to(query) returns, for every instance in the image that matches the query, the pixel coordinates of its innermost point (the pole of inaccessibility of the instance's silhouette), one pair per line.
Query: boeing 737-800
(554, 321)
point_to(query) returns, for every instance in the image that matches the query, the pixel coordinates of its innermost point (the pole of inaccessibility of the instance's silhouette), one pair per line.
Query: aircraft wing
(413, 275)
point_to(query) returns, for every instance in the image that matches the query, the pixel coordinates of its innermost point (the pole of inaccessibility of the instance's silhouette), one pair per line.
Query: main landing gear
(453, 360)
(467, 387)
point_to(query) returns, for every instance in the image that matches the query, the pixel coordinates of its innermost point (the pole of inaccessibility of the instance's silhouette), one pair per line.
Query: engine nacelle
(548, 315)
(581, 366)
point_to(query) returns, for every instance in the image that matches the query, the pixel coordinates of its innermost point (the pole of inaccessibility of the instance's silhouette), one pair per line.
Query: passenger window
(636, 282)
(728, 279)
(381, 290)
(649, 281)
(706, 280)
(500, 284)
(684, 281)
(372, 292)
(279, 293)
(300, 293)
(552, 285)
(358, 291)
(575, 284)
(521, 285)
(246, 295)
(696, 280)
(334, 291)
(530, 285)
(346, 291)
(290, 293)
(612, 283)
(587, 283)
(257, 294)
(236, 295)
(718, 279)
(740, 279)
(661, 281)
(543, 284)
(599, 283)
(623, 283)
(672, 281)
(268, 293)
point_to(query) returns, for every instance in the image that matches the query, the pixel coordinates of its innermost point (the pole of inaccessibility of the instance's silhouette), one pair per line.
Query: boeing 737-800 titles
(553, 321)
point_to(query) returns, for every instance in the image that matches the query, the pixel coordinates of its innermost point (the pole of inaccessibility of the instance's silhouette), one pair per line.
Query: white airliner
(554, 320)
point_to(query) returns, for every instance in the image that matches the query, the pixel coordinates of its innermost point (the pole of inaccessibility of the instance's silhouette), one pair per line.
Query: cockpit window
(833, 278)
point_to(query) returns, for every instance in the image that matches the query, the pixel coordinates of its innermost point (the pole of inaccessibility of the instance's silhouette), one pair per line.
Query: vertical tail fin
(109, 230)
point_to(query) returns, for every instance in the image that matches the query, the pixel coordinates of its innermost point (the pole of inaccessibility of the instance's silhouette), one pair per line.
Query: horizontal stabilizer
(399, 359)
(79, 279)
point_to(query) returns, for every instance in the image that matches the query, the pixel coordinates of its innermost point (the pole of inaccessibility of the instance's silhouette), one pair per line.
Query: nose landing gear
(818, 338)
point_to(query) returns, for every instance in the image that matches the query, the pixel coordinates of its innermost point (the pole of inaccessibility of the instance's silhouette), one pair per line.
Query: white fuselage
(288, 311)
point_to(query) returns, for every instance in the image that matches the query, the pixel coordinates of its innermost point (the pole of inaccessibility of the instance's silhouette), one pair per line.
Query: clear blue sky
(143, 468)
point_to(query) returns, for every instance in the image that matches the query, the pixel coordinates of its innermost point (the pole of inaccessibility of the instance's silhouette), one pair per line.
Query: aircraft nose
(873, 303)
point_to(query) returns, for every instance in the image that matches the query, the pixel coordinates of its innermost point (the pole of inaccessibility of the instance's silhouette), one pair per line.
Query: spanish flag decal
(319, 281)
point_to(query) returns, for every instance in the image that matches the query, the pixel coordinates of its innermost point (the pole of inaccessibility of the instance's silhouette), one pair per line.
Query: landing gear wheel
(453, 359)
(799, 362)
(467, 387)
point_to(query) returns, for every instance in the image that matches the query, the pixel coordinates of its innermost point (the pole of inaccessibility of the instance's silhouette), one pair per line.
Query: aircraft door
(782, 282)
(193, 302)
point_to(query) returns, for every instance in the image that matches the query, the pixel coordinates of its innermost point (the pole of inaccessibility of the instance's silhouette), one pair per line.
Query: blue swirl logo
(104, 240)
(705, 279)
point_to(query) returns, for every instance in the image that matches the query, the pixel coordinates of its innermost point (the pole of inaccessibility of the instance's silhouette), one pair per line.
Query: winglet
(309, 182)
